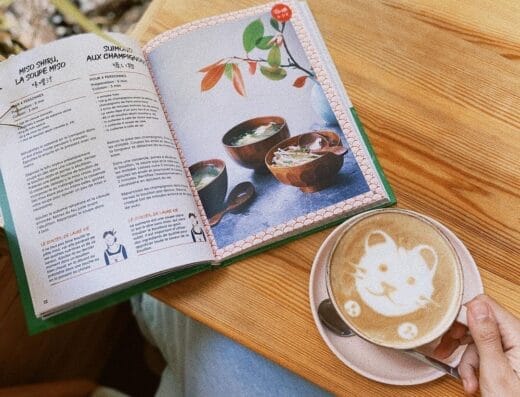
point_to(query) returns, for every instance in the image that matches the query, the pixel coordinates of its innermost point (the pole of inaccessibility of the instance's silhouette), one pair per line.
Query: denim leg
(202, 362)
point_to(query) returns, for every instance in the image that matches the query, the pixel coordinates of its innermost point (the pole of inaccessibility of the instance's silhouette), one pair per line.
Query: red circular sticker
(281, 12)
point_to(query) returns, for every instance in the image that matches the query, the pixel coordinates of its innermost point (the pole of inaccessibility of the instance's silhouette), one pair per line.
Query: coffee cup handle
(462, 317)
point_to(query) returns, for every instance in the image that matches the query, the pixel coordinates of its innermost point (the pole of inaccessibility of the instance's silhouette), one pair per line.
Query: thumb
(486, 334)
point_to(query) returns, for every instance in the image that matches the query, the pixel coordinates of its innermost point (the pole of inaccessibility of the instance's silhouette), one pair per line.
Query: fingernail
(479, 310)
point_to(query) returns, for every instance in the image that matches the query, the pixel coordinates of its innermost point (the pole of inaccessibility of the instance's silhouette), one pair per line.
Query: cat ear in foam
(432, 266)
(388, 239)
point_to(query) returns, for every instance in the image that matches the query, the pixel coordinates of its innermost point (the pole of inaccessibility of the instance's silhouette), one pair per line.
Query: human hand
(494, 353)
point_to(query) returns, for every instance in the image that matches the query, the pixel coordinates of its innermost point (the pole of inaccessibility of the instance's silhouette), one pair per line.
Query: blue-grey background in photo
(201, 119)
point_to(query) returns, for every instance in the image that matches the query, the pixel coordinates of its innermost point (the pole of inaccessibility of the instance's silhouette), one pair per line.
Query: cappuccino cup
(395, 279)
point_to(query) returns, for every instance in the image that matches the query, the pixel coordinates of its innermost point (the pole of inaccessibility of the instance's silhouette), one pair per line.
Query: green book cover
(36, 325)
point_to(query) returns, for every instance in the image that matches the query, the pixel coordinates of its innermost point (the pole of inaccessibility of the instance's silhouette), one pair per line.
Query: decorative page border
(374, 195)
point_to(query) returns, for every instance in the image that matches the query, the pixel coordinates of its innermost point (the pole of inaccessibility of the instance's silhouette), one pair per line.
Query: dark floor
(127, 369)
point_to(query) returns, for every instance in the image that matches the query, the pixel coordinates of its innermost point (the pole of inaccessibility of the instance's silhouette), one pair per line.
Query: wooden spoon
(237, 199)
(313, 141)
(337, 150)
(318, 144)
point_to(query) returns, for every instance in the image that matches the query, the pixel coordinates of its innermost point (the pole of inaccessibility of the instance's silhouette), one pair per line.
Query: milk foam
(408, 331)
(352, 308)
(392, 280)
(395, 278)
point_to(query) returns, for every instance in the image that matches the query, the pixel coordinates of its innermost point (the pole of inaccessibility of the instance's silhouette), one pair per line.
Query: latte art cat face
(395, 278)
(395, 281)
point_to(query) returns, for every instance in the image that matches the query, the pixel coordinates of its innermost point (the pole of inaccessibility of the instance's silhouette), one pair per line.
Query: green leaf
(263, 43)
(274, 57)
(253, 32)
(273, 73)
(228, 71)
(70, 11)
(275, 24)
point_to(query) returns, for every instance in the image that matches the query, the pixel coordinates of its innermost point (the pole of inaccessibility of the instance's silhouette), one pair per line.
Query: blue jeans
(202, 362)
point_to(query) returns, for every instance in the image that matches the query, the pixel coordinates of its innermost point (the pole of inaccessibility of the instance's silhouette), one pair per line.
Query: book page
(250, 94)
(95, 186)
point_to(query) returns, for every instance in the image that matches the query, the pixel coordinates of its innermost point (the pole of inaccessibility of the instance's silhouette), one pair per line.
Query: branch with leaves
(69, 10)
(271, 66)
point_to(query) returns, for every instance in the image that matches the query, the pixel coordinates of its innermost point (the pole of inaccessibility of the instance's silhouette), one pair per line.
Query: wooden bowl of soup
(211, 181)
(248, 142)
(293, 165)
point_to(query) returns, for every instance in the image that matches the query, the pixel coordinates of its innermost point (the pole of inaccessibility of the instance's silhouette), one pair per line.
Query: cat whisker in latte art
(359, 274)
(424, 300)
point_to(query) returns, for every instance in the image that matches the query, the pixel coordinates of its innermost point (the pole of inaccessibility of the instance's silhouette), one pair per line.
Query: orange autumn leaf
(252, 67)
(238, 81)
(207, 68)
(212, 77)
(300, 81)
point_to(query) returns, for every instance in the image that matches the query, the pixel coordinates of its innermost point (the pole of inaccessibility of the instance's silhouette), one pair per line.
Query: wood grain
(436, 86)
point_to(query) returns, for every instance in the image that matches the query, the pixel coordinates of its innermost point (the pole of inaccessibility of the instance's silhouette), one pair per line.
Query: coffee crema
(395, 278)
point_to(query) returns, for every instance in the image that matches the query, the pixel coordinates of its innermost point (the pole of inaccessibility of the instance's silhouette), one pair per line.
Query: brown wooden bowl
(312, 176)
(253, 155)
(214, 193)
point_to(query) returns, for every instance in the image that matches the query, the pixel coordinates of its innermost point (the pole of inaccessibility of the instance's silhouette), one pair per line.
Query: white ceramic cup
(458, 311)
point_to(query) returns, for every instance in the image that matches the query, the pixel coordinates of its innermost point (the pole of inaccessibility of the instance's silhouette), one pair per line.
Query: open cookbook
(126, 168)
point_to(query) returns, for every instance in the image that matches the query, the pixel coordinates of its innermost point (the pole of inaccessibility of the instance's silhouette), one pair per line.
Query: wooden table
(437, 87)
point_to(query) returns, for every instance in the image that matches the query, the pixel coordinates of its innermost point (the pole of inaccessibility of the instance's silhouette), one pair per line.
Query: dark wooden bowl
(312, 176)
(214, 193)
(253, 155)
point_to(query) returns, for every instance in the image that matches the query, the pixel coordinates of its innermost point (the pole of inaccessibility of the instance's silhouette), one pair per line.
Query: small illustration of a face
(197, 234)
(395, 281)
(110, 239)
(194, 220)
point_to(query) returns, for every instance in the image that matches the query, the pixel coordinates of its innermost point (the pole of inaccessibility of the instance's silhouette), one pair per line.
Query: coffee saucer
(374, 362)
